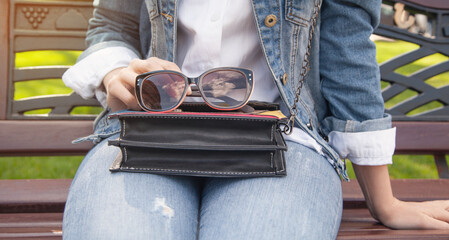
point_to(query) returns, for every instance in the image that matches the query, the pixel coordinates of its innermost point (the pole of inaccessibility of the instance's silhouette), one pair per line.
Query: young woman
(340, 114)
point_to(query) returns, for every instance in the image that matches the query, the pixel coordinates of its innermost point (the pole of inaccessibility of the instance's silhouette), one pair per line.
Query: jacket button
(284, 79)
(270, 20)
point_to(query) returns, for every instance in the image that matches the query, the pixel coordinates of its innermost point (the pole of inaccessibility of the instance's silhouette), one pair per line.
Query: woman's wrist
(375, 184)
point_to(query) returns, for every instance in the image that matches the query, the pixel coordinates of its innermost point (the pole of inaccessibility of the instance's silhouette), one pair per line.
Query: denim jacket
(341, 92)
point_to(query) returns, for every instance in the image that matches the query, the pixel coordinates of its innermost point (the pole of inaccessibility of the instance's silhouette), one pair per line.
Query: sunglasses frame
(249, 75)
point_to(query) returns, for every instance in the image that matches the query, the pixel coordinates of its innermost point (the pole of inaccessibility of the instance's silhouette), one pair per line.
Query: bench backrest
(28, 25)
(43, 25)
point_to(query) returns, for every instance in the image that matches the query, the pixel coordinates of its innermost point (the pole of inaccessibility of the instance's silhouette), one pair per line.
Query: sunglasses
(221, 88)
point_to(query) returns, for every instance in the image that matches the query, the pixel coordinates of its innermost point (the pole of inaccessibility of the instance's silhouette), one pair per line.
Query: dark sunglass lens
(162, 91)
(225, 88)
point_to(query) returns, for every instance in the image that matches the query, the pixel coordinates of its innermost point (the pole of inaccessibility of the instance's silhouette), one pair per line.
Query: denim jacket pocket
(299, 12)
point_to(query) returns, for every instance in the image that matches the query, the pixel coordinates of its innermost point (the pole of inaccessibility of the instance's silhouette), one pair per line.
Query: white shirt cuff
(365, 148)
(86, 76)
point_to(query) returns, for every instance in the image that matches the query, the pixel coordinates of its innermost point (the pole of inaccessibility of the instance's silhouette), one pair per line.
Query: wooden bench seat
(32, 209)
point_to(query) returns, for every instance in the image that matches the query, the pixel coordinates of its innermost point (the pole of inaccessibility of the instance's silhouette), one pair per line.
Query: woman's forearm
(376, 187)
(375, 184)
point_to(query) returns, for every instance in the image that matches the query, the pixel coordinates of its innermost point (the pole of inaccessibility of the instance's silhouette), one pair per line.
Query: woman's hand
(416, 215)
(120, 83)
(376, 187)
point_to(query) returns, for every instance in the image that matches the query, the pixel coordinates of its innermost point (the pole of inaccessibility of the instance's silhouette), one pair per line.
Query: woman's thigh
(306, 204)
(105, 205)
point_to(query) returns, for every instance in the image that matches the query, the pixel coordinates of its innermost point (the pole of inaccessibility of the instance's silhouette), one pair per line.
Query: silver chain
(288, 129)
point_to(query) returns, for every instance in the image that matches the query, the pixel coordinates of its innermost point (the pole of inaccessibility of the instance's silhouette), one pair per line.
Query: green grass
(38, 167)
(404, 166)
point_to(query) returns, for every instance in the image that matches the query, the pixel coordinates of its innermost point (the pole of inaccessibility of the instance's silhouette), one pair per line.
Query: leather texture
(212, 144)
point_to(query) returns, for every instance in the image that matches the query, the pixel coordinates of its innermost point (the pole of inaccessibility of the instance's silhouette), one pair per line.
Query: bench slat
(56, 136)
(33, 43)
(31, 225)
(50, 195)
(437, 4)
(44, 137)
(422, 137)
(43, 72)
(404, 189)
(394, 234)
(60, 104)
(18, 196)
(30, 236)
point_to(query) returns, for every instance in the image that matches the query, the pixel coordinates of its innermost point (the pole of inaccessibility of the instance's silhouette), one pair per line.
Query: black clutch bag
(198, 143)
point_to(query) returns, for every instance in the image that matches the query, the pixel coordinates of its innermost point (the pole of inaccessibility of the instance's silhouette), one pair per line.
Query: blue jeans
(306, 204)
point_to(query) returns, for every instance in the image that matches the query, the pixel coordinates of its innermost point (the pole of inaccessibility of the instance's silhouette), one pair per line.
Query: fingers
(174, 87)
(418, 215)
(432, 223)
(152, 64)
(189, 90)
(120, 84)
(119, 96)
(443, 213)
(444, 217)
(435, 212)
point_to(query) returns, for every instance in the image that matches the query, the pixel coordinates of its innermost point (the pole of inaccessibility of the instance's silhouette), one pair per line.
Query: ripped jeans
(306, 204)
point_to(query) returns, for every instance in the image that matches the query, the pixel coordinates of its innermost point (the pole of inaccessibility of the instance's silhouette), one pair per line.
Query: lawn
(65, 167)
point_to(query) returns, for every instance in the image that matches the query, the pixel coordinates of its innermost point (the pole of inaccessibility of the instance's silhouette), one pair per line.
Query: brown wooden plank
(394, 234)
(31, 236)
(31, 226)
(404, 189)
(60, 104)
(357, 215)
(38, 195)
(32, 230)
(31, 43)
(35, 195)
(358, 224)
(20, 137)
(422, 137)
(30, 220)
(41, 72)
(412, 137)
(437, 4)
(4, 57)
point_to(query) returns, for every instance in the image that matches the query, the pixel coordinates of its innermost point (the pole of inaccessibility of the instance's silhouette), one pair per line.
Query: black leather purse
(202, 143)
(195, 142)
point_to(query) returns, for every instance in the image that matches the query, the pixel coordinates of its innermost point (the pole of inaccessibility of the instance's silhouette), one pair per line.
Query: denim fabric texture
(306, 204)
(341, 91)
(104, 127)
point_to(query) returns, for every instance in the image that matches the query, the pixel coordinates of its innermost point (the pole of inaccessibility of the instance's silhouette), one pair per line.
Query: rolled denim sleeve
(350, 82)
(114, 23)
(112, 42)
(363, 146)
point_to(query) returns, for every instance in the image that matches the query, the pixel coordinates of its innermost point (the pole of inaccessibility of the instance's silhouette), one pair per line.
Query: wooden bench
(32, 209)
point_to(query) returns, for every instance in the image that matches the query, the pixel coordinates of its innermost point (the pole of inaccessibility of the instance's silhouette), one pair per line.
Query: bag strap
(288, 129)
